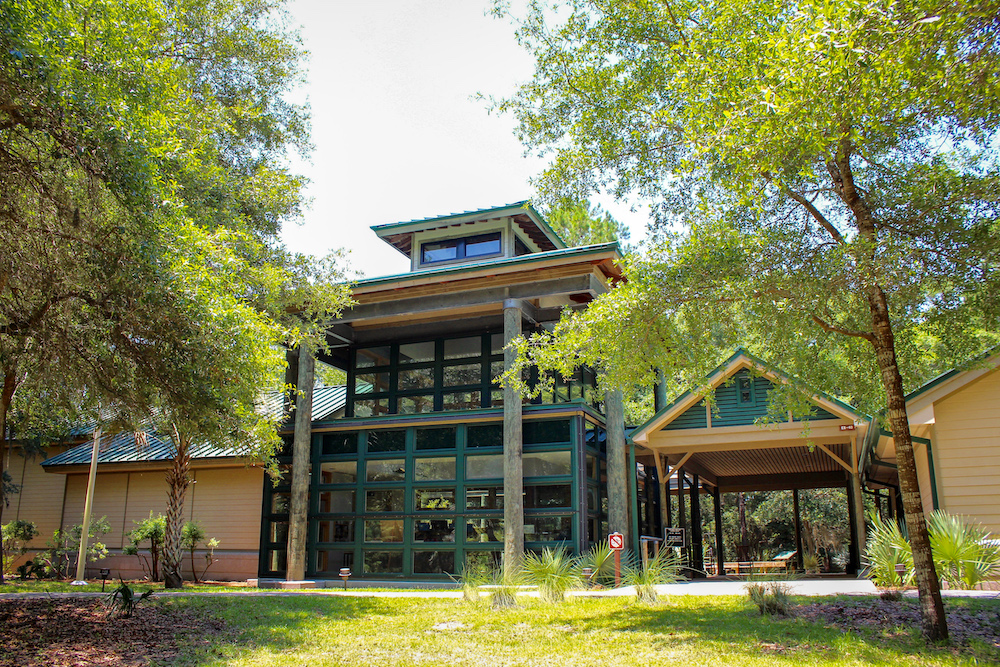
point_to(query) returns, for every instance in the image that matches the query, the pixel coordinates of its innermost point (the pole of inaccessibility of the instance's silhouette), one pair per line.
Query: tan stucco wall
(966, 445)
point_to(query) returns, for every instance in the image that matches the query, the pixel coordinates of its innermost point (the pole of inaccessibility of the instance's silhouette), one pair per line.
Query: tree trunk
(935, 625)
(6, 398)
(177, 484)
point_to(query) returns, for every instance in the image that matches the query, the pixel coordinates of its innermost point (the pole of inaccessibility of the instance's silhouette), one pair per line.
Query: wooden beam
(480, 297)
(782, 482)
(843, 464)
(677, 465)
(668, 447)
(662, 487)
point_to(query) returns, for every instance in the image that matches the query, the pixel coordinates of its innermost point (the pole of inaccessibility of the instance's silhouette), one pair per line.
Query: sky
(398, 131)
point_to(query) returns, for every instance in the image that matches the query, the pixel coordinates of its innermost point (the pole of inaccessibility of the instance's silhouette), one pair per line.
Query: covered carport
(701, 449)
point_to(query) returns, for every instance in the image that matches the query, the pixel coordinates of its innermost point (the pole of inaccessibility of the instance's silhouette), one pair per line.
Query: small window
(745, 388)
(520, 248)
(483, 245)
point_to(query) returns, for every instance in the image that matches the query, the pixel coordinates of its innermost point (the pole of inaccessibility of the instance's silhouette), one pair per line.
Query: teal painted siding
(731, 410)
(693, 417)
(819, 413)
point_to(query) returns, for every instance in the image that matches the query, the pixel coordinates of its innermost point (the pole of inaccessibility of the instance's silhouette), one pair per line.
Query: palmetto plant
(962, 555)
(554, 571)
(886, 548)
(599, 560)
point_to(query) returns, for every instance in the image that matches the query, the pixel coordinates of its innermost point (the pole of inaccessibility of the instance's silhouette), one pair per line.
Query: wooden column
(298, 511)
(852, 512)
(720, 548)
(618, 486)
(681, 519)
(663, 486)
(800, 564)
(697, 539)
(859, 502)
(513, 446)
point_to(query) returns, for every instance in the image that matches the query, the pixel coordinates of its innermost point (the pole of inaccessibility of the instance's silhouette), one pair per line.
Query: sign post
(616, 542)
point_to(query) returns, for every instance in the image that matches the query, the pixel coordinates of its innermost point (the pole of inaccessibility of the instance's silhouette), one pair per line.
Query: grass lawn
(317, 630)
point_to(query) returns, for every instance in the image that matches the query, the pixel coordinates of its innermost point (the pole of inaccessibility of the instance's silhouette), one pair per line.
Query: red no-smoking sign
(616, 541)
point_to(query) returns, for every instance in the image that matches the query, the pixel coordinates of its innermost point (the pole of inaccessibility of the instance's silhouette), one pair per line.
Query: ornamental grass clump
(553, 571)
(472, 578)
(664, 568)
(504, 583)
(772, 598)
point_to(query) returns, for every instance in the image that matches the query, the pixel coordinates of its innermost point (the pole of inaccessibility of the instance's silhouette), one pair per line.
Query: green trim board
(944, 377)
(450, 271)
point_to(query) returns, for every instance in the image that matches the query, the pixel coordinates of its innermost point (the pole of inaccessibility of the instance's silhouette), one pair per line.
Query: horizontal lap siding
(227, 504)
(109, 500)
(731, 412)
(693, 417)
(40, 499)
(966, 448)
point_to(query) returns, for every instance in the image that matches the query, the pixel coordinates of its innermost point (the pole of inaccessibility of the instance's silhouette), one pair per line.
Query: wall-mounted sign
(847, 427)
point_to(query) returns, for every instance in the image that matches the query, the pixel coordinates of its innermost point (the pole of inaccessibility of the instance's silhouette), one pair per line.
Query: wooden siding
(966, 449)
(693, 417)
(40, 499)
(227, 505)
(225, 501)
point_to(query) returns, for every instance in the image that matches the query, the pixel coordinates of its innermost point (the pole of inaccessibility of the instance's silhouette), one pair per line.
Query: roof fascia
(503, 262)
(920, 400)
(739, 360)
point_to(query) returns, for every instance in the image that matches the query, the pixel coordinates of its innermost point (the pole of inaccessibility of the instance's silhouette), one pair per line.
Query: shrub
(474, 575)
(61, 552)
(14, 538)
(601, 562)
(191, 535)
(554, 571)
(152, 530)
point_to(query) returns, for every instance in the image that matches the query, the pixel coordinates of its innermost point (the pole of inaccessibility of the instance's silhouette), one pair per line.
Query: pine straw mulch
(890, 618)
(76, 631)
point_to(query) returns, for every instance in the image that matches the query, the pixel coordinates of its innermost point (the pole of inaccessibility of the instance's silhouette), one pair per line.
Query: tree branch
(833, 328)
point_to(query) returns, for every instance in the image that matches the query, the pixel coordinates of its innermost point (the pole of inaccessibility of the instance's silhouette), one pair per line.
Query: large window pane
(276, 560)
(371, 407)
(416, 378)
(434, 500)
(440, 251)
(547, 528)
(484, 530)
(485, 435)
(538, 464)
(484, 497)
(426, 470)
(461, 400)
(433, 562)
(484, 467)
(483, 245)
(339, 443)
(278, 532)
(386, 441)
(336, 531)
(279, 502)
(383, 562)
(541, 432)
(384, 500)
(415, 353)
(384, 530)
(436, 438)
(331, 560)
(462, 375)
(371, 383)
(462, 348)
(433, 530)
(336, 502)
(338, 472)
(551, 495)
(373, 356)
(411, 405)
(387, 470)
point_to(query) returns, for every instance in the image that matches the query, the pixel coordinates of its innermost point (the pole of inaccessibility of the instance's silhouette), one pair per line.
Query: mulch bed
(886, 616)
(75, 631)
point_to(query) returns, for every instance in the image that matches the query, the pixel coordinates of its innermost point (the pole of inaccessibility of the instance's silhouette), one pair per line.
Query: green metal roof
(502, 261)
(742, 352)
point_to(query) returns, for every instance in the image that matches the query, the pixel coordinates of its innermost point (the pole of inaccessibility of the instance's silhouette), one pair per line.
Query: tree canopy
(825, 176)
(578, 222)
(144, 178)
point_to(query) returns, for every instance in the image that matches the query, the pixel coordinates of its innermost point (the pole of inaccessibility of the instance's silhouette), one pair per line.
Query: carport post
(799, 563)
(697, 550)
(720, 552)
